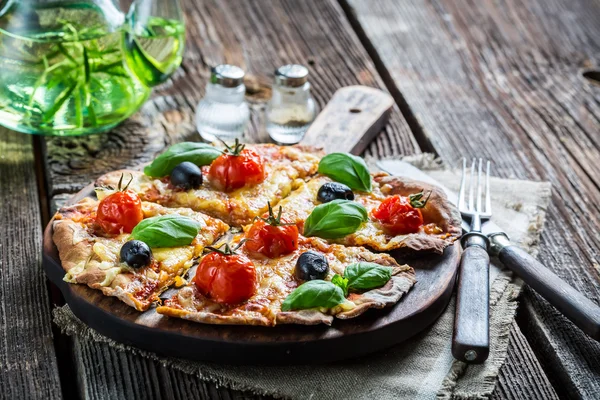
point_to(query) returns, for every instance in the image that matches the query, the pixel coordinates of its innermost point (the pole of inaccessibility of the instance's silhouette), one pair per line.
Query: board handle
(470, 341)
(351, 119)
(572, 304)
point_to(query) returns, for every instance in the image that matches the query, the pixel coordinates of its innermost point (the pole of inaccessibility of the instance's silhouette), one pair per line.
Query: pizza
(91, 255)
(272, 235)
(276, 170)
(276, 280)
(440, 225)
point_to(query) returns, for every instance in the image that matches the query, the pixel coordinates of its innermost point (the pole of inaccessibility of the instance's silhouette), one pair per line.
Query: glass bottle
(223, 113)
(65, 70)
(291, 109)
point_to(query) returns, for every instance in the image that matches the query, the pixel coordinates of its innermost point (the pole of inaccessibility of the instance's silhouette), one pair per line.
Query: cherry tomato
(271, 240)
(398, 216)
(120, 212)
(236, 168)
(226, 278)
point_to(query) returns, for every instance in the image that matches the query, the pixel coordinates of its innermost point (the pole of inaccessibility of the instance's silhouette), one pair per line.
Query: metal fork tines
(475, 209)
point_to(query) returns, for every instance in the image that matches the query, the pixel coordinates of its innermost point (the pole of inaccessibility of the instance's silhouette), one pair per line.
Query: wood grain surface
(436, 72)
(28, 367)
(351, 119)
(503, 80)
(257, 36)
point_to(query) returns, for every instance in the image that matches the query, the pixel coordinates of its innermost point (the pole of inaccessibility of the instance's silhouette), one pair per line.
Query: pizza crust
(92, 259)
(276, 282)
(285, 168)
(438, 211)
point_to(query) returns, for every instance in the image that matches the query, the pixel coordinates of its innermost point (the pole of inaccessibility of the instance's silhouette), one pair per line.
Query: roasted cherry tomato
(236, 168)
(120, 212)
(401, 215)
(226, 277)
(272, 236)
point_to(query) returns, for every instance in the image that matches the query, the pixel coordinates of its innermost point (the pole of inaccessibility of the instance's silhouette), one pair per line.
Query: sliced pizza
(273, 276)
(399, 214)
(236, 187)
(130, 249)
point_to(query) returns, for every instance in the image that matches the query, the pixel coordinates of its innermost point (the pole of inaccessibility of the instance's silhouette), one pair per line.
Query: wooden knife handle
(471, 339)
(351, 119)
(572, 304)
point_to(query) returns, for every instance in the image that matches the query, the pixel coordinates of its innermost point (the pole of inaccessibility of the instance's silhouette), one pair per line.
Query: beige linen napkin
(420, 368)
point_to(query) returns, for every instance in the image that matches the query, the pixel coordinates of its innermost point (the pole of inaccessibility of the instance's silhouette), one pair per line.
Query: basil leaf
(166, 231)
(367, 275)
(313, 294)
(197, 153)
(335, 219)
(345, 168)
(341, 282)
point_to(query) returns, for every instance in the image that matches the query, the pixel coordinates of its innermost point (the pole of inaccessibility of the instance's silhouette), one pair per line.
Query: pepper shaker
(291, 109)
(223, 113)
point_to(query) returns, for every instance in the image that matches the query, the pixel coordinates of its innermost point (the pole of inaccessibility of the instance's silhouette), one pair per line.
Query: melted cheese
(146, 282)
(298, 206)
(285, 169)
(275, 281)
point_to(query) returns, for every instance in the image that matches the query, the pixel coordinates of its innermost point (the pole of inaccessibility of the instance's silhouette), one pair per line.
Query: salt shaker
(223, 113)
(291, 109)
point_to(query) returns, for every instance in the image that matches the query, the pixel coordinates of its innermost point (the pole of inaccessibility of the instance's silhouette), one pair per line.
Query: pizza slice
(399, 213)
(236, 187)
(271, 275)
(95, 245)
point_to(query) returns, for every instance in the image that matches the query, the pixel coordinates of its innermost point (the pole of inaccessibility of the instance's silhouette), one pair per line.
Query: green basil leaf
(166, 231)
(335, 219)
(197, 153)
(367, 275)
(313, 294)
(345, 168)
(341, 282)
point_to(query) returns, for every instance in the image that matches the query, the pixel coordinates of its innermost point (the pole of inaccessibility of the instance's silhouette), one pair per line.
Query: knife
(583, 312)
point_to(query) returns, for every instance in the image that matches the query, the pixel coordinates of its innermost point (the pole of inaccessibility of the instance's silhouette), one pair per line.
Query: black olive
(136, 254)
(311, 265)
(332, 191)
(186, 176)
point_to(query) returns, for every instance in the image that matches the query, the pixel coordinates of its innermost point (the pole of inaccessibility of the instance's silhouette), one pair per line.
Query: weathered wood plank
(502, 80)
(521, 377)
(258, 36)
(28, 368)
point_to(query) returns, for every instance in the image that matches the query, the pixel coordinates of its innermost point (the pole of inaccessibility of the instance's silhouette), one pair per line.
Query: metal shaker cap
(227, 75)
(291, 75)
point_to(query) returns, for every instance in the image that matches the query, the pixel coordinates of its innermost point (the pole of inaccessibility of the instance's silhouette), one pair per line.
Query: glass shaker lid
(227, 75)
(291, 75)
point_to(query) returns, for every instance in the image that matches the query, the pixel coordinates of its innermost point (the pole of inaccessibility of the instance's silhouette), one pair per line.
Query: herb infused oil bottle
(291, 109)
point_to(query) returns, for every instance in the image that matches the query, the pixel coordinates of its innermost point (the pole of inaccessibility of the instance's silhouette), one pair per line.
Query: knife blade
(571, 303)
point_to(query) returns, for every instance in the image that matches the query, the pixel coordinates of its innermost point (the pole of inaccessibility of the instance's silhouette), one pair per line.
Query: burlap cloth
(420, 368)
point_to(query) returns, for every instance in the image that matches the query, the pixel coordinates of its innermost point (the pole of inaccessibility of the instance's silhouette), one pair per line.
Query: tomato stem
(227, 250)
(272, 219)
(416, 199)
(234, 150)
(121, 183)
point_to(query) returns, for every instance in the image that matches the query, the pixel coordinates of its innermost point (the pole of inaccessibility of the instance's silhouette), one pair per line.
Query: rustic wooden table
(500, 79)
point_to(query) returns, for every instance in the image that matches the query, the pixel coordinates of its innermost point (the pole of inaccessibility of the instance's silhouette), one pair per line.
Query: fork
(470, 341)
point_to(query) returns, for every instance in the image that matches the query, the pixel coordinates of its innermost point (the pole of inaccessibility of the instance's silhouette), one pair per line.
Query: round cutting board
(283, 344)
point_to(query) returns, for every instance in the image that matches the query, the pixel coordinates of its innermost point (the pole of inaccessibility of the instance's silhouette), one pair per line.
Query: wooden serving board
(352, 118)
(284, 344)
